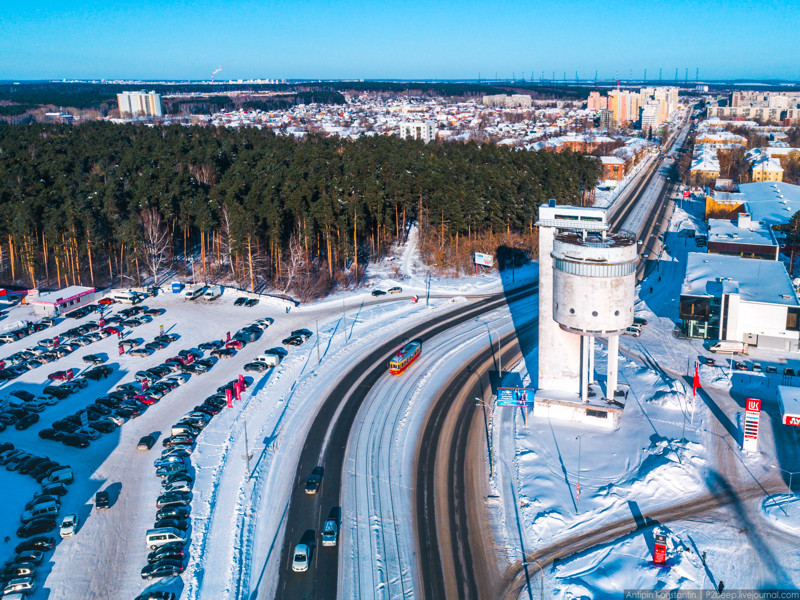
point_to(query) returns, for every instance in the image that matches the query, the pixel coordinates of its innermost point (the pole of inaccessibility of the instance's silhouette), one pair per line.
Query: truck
(193, 291)
(212, 293)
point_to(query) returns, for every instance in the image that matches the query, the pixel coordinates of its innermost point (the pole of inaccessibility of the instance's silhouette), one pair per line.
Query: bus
(404, 357)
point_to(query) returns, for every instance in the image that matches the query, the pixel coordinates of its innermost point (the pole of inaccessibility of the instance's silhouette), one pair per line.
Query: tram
(404, 357)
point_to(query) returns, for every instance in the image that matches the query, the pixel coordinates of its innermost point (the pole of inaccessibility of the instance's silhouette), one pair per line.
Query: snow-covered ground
(241, 514)
(644, 466)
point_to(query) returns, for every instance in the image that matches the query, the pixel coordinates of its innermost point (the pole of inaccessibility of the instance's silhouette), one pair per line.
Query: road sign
(487, 260)
(514, 397)
(752, 413)
(660, 549)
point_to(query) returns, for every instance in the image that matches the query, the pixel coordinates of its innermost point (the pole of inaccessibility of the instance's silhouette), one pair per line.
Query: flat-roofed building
(742, 237)
(418, 130)
(739, 299)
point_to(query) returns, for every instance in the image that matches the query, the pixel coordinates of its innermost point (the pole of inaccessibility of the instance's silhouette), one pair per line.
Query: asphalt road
(456, 557)
(325, 446)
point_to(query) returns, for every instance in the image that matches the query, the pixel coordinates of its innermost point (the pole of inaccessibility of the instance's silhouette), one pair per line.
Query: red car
(145, 399)
(112, 330)
(238, 344)
(176, 359)
(105, 301)
(61, 375)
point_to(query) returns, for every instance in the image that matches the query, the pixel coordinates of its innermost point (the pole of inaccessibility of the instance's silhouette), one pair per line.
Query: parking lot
(113, 538)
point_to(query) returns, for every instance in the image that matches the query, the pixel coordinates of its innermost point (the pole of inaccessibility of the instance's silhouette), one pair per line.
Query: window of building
(600, 414)
(793, 319)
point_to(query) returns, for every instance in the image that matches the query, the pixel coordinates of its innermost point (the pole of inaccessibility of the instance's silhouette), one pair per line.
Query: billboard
(487, 260)
(514, 397)
(791, 420)
(751, 416)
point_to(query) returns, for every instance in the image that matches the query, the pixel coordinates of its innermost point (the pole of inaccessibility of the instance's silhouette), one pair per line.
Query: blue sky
(414, 39)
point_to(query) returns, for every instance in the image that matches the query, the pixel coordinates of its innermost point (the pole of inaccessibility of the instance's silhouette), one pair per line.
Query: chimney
(743, 221)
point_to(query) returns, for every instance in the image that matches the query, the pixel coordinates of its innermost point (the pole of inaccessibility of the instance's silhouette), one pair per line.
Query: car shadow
(114, 490)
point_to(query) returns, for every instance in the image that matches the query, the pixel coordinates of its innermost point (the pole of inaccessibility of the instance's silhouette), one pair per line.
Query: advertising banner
(229, 397)
(752, 414)
(487, 260)
(514, 397)
(660, 549)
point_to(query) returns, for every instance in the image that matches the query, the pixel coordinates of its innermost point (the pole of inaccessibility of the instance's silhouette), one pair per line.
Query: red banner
(69, 375)
(121, 350)
(56, 342)
(145, 385)
(791, 420)
(241, 382)
(189, 359)
(228, 336)
(229, 397)
(237, 390)
(102, 322)
(696, 381)
(660, 549)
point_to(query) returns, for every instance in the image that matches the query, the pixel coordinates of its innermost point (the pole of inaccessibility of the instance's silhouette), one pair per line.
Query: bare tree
(155, 242)
(227, 242)
(296, 259)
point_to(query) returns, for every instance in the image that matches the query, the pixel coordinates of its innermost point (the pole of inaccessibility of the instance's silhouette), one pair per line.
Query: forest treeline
(100, 203)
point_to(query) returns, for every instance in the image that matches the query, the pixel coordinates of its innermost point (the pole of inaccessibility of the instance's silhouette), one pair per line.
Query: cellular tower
(587, 282)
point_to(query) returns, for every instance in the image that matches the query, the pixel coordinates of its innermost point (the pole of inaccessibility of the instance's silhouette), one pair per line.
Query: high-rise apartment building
(417, 130)
(139, 104)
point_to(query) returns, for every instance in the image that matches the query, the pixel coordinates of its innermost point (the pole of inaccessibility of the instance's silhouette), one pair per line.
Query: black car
(41, 500)
(212, 345)
(102, 500)
(257, 367)
(293, 340)
(57, 391)
(42, 544)
(104, 426)
(173, 550)
(146, 443)
(163, 568)
(314, 480)
(183, 476)
(173, 512)
(36, 527)
(23, 395)
(75, 441)
(240, 301)
(251, 302)
(26, 421)
(98, 373)
(378, 293)
(208, 409)
(179, 524)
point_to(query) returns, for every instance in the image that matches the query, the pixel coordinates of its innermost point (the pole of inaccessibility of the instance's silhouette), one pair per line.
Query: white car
(179, 378)
(178, 486)
(23, 585)
(69, 526)
(300, 558)
(633, 331)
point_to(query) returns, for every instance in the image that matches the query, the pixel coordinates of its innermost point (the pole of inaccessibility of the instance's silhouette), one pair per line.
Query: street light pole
(478, 401)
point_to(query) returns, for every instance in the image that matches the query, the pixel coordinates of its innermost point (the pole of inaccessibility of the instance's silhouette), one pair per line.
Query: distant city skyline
(310, 39)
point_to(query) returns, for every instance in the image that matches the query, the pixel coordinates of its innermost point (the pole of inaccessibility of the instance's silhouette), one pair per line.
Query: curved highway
(325, 446)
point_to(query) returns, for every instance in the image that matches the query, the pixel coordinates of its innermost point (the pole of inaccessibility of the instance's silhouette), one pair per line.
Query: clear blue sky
(414, 39)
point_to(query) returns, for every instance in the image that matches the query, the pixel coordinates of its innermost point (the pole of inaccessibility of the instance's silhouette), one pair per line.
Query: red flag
(102, 322)
(241, 382)
(229, 397)
(56, 341)
(238, 390)
(228, 336)
(145, 385)
(189, 359)
(696, 382)
(121, 350)
(69, 375)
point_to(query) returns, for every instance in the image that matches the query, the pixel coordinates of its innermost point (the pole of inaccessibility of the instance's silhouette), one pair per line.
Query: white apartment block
(512, 101)
(416, 130)
(139, 104)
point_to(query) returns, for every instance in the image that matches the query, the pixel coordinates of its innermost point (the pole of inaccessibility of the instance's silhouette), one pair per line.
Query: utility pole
(578, 496)
(318, 358)
(344, 322)
(486, 428)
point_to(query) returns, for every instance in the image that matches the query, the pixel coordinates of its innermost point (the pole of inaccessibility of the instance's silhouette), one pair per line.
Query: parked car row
(17, 334)
(19, 571)
(248, 302)
(170, 534)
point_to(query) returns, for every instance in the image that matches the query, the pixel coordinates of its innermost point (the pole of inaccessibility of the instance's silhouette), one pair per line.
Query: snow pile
(783, 511)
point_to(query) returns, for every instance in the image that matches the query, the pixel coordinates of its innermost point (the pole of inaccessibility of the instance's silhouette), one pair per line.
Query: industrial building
(51, 304)
(425, 131)
(586, 290)
(139, 104)
(742, 237)
(739, 299)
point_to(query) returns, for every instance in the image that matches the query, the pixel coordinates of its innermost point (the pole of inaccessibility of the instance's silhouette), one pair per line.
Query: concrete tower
(587, 281)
